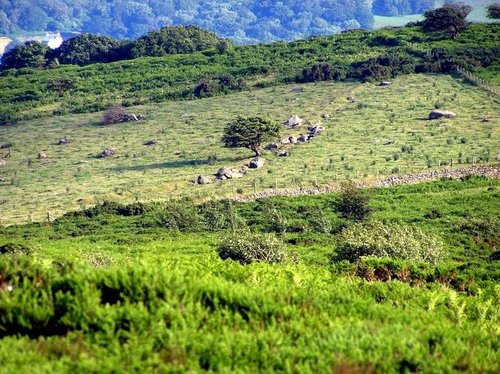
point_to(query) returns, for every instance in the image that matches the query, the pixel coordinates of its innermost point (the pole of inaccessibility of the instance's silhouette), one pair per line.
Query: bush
(380, 240)
(248, 248)
(179, 215)
(221, 215)
(14, 249)
(353, 203)
(115, 114)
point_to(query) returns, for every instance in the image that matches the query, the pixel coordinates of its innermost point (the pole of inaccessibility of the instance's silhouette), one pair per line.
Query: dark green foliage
(61, 85)
(31, 54)
(221, 215)
(250, 132)
(246, 248)
(179, 215)
(174, 40)
(353, 203)
(87, 49)
(323, 72)
(449, 19)
(15, 249)
(494, 11)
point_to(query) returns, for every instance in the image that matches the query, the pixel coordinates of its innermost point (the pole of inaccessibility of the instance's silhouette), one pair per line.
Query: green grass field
(188, 135)
(112, 294)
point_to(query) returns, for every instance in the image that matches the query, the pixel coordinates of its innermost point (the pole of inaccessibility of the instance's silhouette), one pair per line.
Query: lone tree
(353, 203)
(250, 132)
(451, 19)
(494, 11)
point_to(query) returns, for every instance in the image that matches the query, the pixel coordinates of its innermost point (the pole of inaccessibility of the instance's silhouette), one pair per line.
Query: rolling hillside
(384, 131)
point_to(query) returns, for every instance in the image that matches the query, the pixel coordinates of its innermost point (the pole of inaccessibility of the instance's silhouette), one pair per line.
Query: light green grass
(353, 145)
(478, 14)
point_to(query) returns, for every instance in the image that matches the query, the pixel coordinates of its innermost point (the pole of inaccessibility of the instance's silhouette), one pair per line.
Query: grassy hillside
(27, 93)
(112, 293)
(354, 144)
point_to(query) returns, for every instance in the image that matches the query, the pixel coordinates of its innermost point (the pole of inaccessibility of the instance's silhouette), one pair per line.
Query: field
(478, 14)
(116, 293)
(353, 146)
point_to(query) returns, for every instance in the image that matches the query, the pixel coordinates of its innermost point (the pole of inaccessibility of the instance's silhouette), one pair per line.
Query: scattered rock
(485, 119)
(283, 154)
(238, 173)
(292, 140)
(351, 99)
(150, 142)
(437, 114)
(5, 145)
(303, 138)
(389, 142)
(271, 146)
(224, 173)
(63, 141)
(298, 89)
(325, 116)
(385, 83)
(108, 152)
(203, 180)
(3, 162)
(315, 130)
(294, 121)
(256, 163)
(41, 156)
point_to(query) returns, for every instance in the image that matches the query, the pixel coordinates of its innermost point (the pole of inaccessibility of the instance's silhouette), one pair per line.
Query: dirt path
(492, 172)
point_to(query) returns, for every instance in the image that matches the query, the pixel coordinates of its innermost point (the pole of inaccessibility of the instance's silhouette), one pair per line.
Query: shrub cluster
(250, 247)
(377, 239)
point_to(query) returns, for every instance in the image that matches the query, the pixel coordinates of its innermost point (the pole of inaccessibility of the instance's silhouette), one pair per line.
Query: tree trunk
(256, 150)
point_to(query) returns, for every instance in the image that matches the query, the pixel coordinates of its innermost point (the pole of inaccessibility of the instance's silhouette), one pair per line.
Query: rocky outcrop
(108, 152)
(256, 163)
(438, 114)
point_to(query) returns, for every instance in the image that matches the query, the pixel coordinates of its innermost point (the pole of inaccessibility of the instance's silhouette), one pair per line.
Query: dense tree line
(401, 7)
(240, 20)
(87, 49)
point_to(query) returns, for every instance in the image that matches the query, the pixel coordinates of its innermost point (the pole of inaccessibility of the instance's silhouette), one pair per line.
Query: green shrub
(220, 215)
(353, 203)
(249, 247)
(179, 215)
(377, 239)
(274, 220)
(14, 249)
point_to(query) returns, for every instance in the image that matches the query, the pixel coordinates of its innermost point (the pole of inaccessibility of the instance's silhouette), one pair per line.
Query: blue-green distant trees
(401, 7)
(240, 20)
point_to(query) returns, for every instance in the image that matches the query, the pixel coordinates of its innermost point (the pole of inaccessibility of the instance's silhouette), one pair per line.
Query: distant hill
(248, 21)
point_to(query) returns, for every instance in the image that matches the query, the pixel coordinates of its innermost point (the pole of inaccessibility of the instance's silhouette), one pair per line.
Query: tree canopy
(31, 54)
(172, 40)
(250, 132)
(450, 19)
(494, 11)
(239, 20)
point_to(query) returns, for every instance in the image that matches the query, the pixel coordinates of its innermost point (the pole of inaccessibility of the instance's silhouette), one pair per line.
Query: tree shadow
(171, 165)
